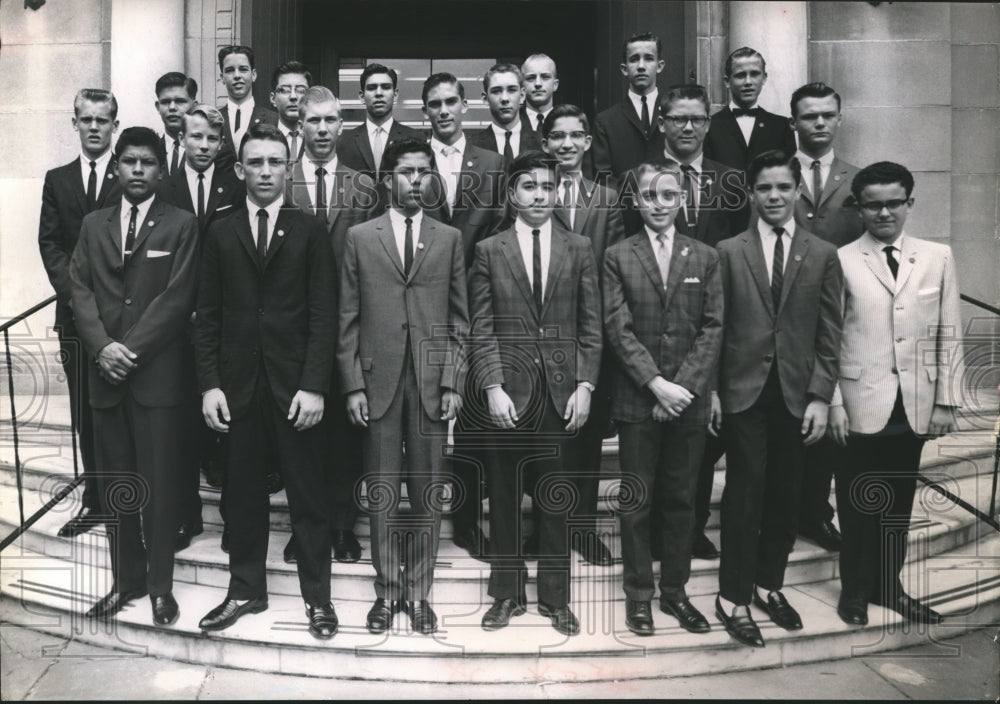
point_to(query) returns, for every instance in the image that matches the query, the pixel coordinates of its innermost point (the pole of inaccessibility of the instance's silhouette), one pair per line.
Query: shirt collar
(653, 234)
(143, 209)
(272, 210)
(500, 132)
(695, 163)
(192, 174)
(733, 106)
(877, 244)
(523, 229)
(438, 146)
(371, 127)
(101, 162)
(233, 107)
(309, 166)
(650, 98)
(824, 161)
(768, 230)
(533, 114)
(398, 220)
(286, 131)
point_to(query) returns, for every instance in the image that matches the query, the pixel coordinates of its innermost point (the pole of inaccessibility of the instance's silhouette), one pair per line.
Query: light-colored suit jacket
(902, 335)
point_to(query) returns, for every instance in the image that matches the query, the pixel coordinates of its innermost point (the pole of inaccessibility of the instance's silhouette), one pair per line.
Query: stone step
(50, 594)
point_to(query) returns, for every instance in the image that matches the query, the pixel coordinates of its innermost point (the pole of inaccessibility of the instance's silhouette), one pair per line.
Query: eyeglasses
(578, 136)
(678, 121)
(287, 90)
(876, 206)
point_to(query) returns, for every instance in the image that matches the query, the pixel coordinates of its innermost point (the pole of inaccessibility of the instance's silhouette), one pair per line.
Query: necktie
(541, 119)
(567, 201)
(691, 205)
(745, 112)
(890, 259)
(778, 267)
(174, 157)
(293, 146)
(663, 257)
(261, 234)
(451, 179)
(321, 193)
(645, 114)
(92, 187)
(817, 182)
(377, 147)
(536, 268)
(236, 125)
(130, 235)
(201, 198)
(508, 152)
(408, 246)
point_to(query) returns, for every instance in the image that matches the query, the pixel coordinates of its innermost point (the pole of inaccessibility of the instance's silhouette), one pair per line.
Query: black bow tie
(744, 112)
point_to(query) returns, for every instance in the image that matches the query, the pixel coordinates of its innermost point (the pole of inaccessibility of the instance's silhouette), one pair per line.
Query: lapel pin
(110, 176)
(420, 245)
(837, 177)
(150, 223)
(220, 189)
(468, 163)
(281, 233)
(340, 190)
(798, 257)
(684, 252)
(912, 260)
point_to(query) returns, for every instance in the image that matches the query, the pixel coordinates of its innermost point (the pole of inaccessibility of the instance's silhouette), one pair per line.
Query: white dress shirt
(126, 216)
(192, 182)
(398, 222)
(695, 164)
(309, 176)
(650, 102)
(272, 218)
(286, 132)
(246, 111)
(526, 241)
(449, 166)
(515, 137)
(745, 122)
(573, 179)
(100, 166)
(825, 162)
(168, 143)
(371, 128)
(768, 238)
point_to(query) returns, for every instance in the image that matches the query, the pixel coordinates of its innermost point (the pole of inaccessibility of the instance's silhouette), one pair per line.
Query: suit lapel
(337, 195)
(106, 184)
(754, 253)
(678, 264)
(76, 185)
(282, 231)
(512, 253)
(246, 237)
(585, 204)
(115, 230)
(758, 128)
(647, 258)
(796, 255)
(217, 192)
(907, 262)
(143, 229)
(558, 254)
(300, 194)
(629, 111)
(425, 240)
(383, 228)
(363, 146)
(834, 180)
(729, 124)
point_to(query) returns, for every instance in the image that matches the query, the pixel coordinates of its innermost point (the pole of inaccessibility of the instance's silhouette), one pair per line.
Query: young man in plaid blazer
(663, 323)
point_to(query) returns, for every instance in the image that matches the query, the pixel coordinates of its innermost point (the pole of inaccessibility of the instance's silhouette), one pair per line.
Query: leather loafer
(165, 611)
(379, 618)
(323, 621)
(499, 615)
(703, 548)
(229, 612)
(225, 541)
(823, 533)
(687, 615)
(113, 602)
(84, 520)
(184, 535)
(422, 617)
(742, 628)
(563, 620)
(780, 611)
(593, 549)
(288, 554)
(639, 617)
(853, 610)
(471, 539)
(912, 609)
(346, 547)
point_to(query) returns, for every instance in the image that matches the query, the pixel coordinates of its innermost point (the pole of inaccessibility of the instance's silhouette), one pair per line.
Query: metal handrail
(976, 302)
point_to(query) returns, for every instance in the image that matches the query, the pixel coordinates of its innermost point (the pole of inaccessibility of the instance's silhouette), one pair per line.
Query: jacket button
(404, 326)
(768, 358)
(128, 301)
(260, 312)
(900, 339)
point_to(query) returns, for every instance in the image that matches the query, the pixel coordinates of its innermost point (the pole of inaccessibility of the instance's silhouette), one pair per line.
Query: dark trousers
(74, 361)
(714, 450)
(586, 454)
(344, 459)
(664, 458)
(760, 504)
(538, 447)
(822, 458)
(467, 464)
(409, 540)
(248, 508)
(139, 453)
(875, 489)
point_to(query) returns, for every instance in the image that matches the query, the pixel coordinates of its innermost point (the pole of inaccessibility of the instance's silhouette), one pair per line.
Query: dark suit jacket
(144, 304)
(479, 208)
(836, 219)
(597, 217)
(355, 151)
(508, 332)
(802, 337)
(529, 139)
(64, 204)
(675, 333)
(354, 201)
(378, 301)
(230, 150)
(225, 194)
(619, 142)
(725, 143)
(279, 316)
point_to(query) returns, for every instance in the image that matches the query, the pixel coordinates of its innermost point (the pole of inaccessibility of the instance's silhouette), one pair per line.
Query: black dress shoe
(184, 535)
(212, 470)
(593, 549)
(703, 548)
(742, 627)
(500, 614)
(84, 520)
(225, 540)
(853, 610)
(823, 533)
(379, 618)
(323, 621)
(529, 548)
(780, 611)
(346, 547)
(229, 612)
(687, 615)
(422, 616)
(639, 617)
(165, 611)
(274, 483)
(563, 620)
(471, 539)
(288, 554)
(113, 602)
(912, 609)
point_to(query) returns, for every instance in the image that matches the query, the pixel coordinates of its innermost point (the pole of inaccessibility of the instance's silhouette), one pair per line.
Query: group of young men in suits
(728, 314)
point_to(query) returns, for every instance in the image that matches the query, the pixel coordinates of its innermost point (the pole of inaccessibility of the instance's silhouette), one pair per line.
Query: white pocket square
(153, 253)
(927, 291)
(692, 280)
(223, 207)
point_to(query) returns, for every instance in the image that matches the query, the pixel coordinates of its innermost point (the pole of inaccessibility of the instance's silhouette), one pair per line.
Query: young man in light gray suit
(900, 353)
